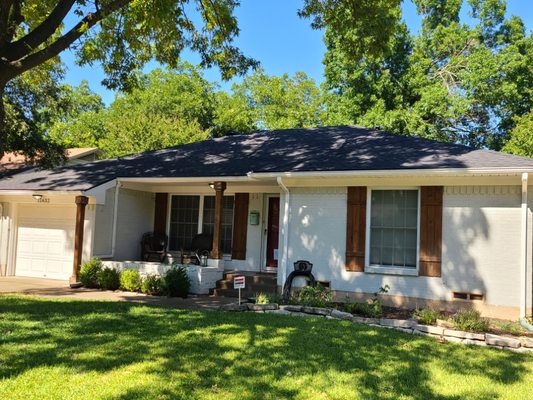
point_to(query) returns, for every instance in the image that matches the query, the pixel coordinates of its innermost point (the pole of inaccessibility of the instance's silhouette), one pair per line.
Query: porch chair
(200, 244)
(154, 245)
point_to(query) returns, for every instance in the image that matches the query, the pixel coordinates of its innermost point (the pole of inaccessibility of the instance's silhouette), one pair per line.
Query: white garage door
(45, 241)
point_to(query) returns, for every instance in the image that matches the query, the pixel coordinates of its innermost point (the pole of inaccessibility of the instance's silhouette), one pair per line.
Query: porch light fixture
(37, 196)
(212, 185)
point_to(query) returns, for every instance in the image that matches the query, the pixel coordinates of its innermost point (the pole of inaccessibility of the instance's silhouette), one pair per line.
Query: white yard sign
(239, 282)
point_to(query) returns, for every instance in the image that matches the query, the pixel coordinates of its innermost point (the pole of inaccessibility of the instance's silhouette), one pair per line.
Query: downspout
(524, 255)
(285, 230)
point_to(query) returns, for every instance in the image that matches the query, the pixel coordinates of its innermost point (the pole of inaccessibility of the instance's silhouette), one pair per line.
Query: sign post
(239, 283)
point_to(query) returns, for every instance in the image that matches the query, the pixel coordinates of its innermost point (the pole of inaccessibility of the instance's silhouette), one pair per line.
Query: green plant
(469, 320)
(313, 296)
(267, 298)
(109, 279)
(130, 280)
(426, 316)
(371, 310)
(177, 283)
(153, 285)
(89, 272)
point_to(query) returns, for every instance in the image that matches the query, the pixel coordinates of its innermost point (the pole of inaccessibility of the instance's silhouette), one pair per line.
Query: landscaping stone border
(445, 335)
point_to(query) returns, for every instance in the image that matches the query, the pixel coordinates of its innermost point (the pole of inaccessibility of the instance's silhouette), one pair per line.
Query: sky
(272, 33)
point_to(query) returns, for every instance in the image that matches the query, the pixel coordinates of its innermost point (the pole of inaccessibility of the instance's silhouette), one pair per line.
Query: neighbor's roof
(340, 148)
(17, 160)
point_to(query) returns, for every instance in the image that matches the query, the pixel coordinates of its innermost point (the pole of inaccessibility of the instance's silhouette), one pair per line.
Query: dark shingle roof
(340, 148)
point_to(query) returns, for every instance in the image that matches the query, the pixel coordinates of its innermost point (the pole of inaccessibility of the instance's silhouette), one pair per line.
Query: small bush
(153, 285)
(370, 310)
(130, 280)
(426, 316)
(267, 298)
(109, 279)
(177, 283)
(89, 273)
(317, 296)
(469, 320)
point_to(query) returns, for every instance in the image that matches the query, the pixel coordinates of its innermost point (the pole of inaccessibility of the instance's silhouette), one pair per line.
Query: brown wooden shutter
(356, 229)
(430, 230)
(160, 213)
(240, 226)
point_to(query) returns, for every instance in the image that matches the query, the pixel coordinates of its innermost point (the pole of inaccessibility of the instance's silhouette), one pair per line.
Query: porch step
(255, 283)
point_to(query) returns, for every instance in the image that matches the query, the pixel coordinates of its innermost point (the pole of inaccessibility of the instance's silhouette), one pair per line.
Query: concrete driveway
(61, 289)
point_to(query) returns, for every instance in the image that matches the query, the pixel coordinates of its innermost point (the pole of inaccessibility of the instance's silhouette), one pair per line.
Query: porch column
(219, 187)
(81, 202)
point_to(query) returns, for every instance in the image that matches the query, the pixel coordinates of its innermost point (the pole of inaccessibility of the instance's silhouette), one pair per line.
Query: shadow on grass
(249, 356)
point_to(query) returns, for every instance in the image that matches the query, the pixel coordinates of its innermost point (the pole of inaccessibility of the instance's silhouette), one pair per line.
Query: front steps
(256, 282)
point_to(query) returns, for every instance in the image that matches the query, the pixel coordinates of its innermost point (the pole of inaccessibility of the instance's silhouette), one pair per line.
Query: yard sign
(239, 283)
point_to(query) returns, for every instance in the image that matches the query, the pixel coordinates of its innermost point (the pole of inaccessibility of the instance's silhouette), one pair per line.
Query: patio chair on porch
(200, 244)
(154, 245)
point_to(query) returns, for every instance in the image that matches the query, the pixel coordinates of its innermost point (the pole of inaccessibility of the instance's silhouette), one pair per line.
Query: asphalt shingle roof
(340, 148)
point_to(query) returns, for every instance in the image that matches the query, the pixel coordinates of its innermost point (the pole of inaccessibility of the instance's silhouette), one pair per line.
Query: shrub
(313, 296)
(469, 320)
(177, 283)
(426, 316)
(153, 285)
(267, 298)
(109, 279)
(370, 310)
(130, 280)
(89, 272)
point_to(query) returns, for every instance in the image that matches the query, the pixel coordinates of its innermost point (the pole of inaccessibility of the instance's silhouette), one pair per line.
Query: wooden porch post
(216, 253)
(81, 202)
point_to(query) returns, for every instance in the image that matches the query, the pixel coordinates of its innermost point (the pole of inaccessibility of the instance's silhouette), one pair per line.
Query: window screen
(183, 221)
(227, 220)
(393, 228)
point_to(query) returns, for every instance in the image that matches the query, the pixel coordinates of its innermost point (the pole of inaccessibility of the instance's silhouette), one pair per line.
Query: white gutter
(285, 230)
(399, 172)
(523, 248)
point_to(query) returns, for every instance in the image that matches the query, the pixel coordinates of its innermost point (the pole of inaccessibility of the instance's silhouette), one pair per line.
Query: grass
(57, 349)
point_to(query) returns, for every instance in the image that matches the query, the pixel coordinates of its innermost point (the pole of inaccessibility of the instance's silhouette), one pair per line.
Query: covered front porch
(241, 218)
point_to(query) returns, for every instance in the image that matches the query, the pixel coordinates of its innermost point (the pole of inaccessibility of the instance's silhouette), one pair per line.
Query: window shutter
(240, 226)
(430, 230)
(356, 229)
(160, 212)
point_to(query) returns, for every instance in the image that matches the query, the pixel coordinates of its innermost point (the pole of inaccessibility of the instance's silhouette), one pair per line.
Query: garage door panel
(45, 244)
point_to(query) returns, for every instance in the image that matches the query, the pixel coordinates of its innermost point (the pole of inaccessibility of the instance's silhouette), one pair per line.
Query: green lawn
(52, 349)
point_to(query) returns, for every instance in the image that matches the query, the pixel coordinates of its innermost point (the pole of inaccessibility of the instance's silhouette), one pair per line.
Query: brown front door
(272, 232)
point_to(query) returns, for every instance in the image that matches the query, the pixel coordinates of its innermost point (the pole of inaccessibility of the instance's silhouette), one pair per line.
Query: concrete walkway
(61, 289)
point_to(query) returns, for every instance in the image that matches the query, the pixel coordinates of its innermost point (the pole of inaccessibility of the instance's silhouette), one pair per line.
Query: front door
(272, 233)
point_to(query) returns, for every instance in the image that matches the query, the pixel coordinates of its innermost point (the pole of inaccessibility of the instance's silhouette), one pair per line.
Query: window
(188, 217)
(393, 228)
(227, 220)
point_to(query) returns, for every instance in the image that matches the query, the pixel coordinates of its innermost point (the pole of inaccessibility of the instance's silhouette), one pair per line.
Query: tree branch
(28, 43)
(10, 18)
(32, 60)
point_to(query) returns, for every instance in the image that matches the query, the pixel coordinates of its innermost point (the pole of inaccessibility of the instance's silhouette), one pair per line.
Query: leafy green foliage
(313, 296)
(453, 81)
(89, 273)
(521, 136)
(108, 279)
(267, 298)
(370, 310)
(130, 280)
(177, 283)
(426, 316)
(469, 320)
(153, 285)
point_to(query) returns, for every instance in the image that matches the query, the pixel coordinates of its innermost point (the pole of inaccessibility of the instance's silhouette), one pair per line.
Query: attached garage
(45, 241)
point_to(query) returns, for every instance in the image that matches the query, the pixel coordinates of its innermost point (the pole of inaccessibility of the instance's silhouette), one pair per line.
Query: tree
(167, 108)
(454, 81)
(521, 136)
(120, 34)
(270, 102)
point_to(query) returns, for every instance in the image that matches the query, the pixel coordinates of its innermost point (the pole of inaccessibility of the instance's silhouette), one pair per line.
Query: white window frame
(200, 214)
(386, 269)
